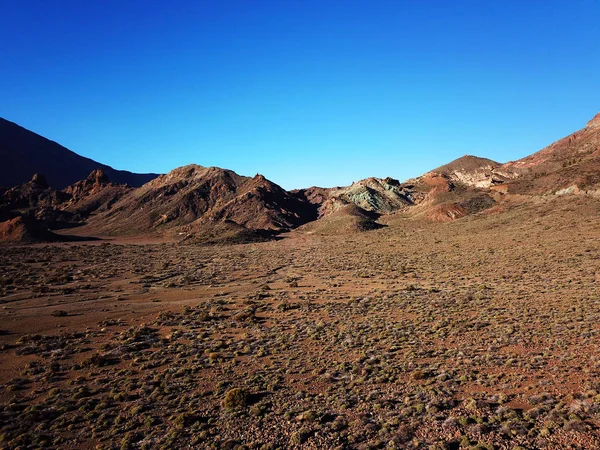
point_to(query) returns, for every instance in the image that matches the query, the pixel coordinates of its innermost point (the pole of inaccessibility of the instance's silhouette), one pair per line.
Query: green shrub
(235, 398)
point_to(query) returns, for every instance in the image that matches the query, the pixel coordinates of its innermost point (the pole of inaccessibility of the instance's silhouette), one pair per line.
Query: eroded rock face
(98, 177)
(381, 196)
(472, 171)
(437, 183)
(446, 212)
(31, 197)
(94, 194)
(481, 178)
(95, 181)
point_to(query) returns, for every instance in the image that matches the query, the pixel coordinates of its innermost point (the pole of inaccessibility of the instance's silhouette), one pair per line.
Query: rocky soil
(475, 334)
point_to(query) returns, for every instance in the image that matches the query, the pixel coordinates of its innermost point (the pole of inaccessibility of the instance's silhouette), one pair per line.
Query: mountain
(583, 145)
(24, 153)
(570, 165)
(60, 208)
(447, 193)
(200, 204)
(469, 185)
(197, 198)
(192, 203)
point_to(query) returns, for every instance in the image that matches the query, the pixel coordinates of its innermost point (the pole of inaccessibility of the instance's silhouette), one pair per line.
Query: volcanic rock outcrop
(33, 199)
(94, 194)
(381, 196)
(471, 171)
(39, 207)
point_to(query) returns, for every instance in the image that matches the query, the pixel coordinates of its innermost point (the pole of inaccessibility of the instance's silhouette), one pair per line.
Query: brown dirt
(483, 331)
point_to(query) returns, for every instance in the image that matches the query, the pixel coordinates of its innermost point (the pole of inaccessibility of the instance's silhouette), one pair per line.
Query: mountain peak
(467, 163)
(595, 122)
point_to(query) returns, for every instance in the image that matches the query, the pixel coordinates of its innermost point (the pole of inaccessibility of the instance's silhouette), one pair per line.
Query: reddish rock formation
(196, 197)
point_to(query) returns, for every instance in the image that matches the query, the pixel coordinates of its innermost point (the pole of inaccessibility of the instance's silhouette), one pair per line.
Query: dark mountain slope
(24, 153)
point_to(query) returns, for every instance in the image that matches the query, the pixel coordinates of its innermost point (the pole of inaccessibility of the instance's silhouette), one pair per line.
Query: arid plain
(482, 332)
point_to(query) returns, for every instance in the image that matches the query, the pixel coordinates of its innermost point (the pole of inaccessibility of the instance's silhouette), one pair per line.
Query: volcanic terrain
(455, 310)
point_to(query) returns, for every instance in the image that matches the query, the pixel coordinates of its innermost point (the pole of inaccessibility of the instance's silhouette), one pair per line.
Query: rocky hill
(94, 194)
(382, 196)
(196, 197)
(447, 193)
(35, 200)
(346, 219)
(30, 210)
(471, 171)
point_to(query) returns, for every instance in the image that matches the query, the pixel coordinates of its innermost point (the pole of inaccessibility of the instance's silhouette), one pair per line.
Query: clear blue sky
(305, 92)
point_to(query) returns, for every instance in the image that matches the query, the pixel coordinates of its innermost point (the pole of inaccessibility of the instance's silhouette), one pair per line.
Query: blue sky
(305, 92)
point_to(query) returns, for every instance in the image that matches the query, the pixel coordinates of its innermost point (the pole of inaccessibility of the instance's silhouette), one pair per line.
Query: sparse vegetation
(235, 398)
(482, 335)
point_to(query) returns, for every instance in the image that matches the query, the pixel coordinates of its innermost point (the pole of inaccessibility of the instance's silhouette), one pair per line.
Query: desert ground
(481, 333)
